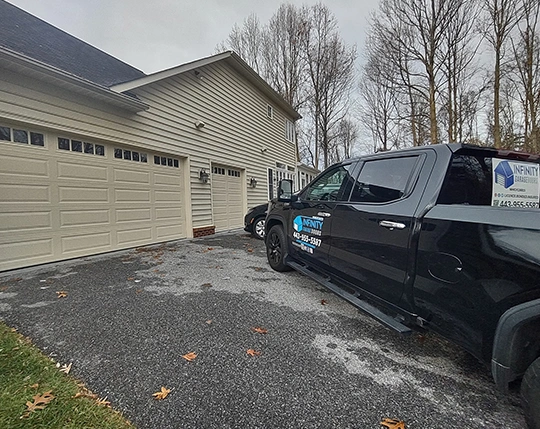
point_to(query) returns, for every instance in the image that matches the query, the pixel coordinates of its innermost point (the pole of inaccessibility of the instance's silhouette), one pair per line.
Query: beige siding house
(96, 156)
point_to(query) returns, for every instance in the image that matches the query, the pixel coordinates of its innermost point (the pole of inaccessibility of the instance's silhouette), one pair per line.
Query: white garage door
(227, 198)
(72, 198)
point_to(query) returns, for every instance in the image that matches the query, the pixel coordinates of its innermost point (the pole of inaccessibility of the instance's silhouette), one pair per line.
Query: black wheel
(276, 248)
(257, 229)
(530, 395)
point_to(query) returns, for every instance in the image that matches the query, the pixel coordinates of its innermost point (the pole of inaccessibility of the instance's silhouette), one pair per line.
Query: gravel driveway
(129, 317)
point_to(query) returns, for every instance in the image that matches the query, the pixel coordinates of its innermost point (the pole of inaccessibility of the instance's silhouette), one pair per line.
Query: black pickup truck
(442, 237)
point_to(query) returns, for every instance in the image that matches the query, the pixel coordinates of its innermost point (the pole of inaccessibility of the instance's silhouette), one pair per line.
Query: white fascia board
(164, 74)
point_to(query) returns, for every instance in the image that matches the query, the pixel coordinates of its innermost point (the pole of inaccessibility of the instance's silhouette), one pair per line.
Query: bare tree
(285, 62)
(380, 94)
(502, 17)
(464, 83)
(301, 55)
(247, 41)
(331, 73)
(526, 49)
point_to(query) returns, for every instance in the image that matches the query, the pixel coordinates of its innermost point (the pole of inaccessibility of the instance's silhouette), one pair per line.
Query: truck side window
(383, 180)
(331, 185)
(468, 181)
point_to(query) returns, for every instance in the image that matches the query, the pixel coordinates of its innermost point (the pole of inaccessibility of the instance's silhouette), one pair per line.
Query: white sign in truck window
(515, 184)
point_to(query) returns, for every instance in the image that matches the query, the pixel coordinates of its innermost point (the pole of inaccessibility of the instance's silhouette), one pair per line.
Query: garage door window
(80, 146)
(166, 162)
(21, 136)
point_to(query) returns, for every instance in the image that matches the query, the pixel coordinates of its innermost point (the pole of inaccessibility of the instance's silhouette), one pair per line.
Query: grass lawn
(26, 375)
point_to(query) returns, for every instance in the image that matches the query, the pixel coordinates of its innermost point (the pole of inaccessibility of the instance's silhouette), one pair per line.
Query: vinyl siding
(233, 110)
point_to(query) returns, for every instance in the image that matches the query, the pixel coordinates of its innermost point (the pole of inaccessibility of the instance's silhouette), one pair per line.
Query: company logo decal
(307, 229)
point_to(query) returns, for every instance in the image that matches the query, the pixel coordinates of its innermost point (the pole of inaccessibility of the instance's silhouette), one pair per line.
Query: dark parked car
(255, 219)
(445, 237)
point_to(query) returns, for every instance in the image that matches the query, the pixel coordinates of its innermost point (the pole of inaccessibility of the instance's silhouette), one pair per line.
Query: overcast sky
(153, 35)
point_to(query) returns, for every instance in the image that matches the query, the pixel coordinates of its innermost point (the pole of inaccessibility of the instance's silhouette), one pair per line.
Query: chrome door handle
(391, 225)
(324, 214)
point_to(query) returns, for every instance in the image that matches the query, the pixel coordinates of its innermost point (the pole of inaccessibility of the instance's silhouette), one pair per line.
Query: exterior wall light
(203, 176)
(199, 124)
(253, 182)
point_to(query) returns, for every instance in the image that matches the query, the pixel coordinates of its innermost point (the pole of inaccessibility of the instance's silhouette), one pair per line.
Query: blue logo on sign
(504, 175)
(297, 223)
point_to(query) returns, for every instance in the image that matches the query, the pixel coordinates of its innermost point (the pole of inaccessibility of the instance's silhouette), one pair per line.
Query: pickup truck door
(371, 233)
(311, 215)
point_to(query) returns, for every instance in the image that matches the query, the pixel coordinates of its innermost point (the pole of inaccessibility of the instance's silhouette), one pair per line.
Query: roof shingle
(28, 35)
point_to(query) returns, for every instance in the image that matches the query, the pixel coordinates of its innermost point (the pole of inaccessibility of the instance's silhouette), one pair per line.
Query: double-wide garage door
(227, 198)
(76, 198)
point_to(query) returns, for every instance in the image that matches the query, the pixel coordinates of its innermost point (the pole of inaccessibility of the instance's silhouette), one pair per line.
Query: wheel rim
(259, 227)
(274, 248)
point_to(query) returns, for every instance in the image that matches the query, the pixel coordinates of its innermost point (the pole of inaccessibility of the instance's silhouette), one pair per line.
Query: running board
(364, 306)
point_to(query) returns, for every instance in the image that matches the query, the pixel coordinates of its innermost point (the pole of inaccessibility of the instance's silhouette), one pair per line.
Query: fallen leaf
(324, 302)
(206, 285)
(104, 402)
(131, 278)
(209, 322)
(252, 352)
(34, 386)
(162, 394)
(250, 250)
(139, 291)
(66, 368)
(40, 402)
(61, 294)
(3, 288)
(210, 248)
(259, 330)
(393, 423)
(190, 357)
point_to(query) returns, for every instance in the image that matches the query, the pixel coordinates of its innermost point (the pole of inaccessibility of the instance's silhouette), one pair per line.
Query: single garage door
(72, 198)
(227, 198)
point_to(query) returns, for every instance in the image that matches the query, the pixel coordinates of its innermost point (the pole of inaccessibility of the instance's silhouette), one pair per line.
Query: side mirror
(285, 191)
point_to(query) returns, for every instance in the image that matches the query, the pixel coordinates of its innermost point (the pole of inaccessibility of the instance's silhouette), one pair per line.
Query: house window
(21, 136)
(269, 111)
(290, 132)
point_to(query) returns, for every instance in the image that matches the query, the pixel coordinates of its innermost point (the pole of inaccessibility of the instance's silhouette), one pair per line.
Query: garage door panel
(95, 241)
(25, 251)
(131, 176)
(168, 179)
(167, 196)
(134, 236)
(132, 195)
(20, 166)
(166, 231)
(25, 221)
(21, 193)
(75, 171)
(71, 194)
(169, 213)
(130, 215)
(81, 218)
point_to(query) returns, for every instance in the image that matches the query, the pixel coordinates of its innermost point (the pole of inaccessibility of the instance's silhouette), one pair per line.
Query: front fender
(513, 350)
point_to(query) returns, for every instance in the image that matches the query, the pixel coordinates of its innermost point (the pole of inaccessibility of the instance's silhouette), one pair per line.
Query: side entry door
(371, 232)
(311, 214)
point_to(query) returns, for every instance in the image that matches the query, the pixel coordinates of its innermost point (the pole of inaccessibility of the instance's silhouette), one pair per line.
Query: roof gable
(28, 35)
(232, 59)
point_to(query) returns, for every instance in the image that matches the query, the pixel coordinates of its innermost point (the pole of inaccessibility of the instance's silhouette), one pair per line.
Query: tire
(530, 395)
(257, 229)
(276, 249)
